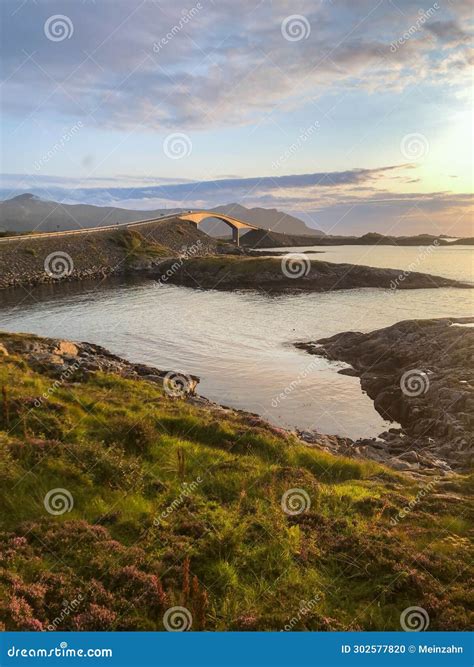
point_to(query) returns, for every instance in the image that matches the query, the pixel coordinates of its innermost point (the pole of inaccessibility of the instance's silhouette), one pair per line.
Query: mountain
(268, 218)
(259, 238)
(27, 213)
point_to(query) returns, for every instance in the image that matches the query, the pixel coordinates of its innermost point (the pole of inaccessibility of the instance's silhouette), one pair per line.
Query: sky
(355, 116)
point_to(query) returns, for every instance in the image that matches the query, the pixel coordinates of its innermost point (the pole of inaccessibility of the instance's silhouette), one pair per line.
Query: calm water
(240, 343)
(456, 262)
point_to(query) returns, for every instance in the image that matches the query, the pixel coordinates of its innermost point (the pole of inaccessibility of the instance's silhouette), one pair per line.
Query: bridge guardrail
(86, 230)
(123, 225)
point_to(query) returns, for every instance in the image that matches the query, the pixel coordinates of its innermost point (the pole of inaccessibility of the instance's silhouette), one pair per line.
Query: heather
(178, 503)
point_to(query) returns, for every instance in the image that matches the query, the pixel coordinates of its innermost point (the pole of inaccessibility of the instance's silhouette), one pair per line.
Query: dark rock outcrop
(262, 238)
(419, 373)
(292, 272)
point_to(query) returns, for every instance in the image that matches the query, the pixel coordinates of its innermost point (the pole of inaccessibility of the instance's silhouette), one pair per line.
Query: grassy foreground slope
(180, 504)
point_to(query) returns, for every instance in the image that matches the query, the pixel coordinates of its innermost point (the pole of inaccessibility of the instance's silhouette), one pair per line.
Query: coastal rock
(70, 361)
(271, 274)
(419, 373)
(67, 348)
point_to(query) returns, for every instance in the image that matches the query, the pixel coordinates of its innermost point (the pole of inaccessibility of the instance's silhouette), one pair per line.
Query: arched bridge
(235, 224)
(190, 216)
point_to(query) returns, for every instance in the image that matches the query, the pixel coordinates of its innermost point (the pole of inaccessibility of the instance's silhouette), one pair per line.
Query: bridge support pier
(235, 235)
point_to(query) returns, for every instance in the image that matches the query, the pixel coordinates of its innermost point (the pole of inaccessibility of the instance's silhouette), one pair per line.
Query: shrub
(136, 437)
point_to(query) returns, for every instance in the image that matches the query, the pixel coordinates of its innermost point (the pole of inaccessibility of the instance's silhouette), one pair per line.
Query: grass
(138, 246)
(30, 251)
(240, 266)
(177, 505)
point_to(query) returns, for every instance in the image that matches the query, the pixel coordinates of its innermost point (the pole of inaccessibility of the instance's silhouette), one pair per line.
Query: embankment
(96, 254)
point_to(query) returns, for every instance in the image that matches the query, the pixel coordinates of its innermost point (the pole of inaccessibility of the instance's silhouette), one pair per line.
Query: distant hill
(26, 213)
(373, 238)
(257, 238)
(467, 241)
(266, 218)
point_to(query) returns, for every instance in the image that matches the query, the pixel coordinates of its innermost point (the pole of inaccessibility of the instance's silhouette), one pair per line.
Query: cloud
(112, 191)
(449, 32)
(135, 69)
(221, 67)
(354, 201)
(422, 213)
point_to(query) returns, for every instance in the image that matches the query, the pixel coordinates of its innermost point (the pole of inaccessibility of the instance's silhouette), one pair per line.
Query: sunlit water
(240, 343)
(456, 262)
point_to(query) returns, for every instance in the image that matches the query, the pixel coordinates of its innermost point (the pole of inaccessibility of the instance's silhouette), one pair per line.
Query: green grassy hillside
(176, 504)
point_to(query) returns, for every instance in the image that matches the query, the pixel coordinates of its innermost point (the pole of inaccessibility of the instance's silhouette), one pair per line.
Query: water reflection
(239, 343)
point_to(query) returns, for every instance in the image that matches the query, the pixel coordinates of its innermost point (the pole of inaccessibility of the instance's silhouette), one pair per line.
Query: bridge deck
(194, 216)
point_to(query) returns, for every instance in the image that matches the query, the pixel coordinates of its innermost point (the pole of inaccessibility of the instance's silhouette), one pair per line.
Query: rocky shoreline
(291, 273)
(420, 374)
(68, 361)
(424, 446)
(154, 490)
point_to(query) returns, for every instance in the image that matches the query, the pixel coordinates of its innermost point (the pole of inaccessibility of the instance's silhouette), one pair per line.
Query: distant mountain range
(27, 212)
(258, 238)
